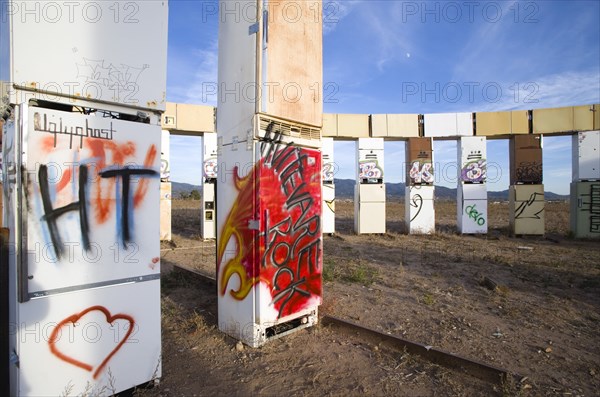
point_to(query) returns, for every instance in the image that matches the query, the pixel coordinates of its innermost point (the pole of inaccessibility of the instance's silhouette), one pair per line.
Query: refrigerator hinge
(14, 358)
(253, 29)
(249, 139)
(219, 146)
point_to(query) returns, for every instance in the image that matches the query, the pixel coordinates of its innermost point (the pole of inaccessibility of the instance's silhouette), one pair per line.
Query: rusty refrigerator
(82, 205)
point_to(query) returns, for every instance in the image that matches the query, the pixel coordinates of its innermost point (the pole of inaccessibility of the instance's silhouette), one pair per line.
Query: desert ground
(541, 321)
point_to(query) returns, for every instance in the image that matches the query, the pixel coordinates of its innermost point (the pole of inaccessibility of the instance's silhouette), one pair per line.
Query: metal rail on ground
(434, 355)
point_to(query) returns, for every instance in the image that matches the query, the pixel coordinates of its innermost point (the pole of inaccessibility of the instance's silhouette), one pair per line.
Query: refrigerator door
(100, 342)
(493, 123)
(93, 186)
(88, 254)
(586, 156)
(472, 191)
(527, 209)
(329, 208)
(419, 210)
(403, 125)
(292, 61)
(371, 193)
(585, 209)
(291, 247)
(237, 236)
(111, 52)
(165, 211)
(419, 161)
(269, 245)
(370, 217)
(474, 216)
(440, 125)
(472, 158)
(464, 124)
(370, 160)
(472, 208)
(237, 63)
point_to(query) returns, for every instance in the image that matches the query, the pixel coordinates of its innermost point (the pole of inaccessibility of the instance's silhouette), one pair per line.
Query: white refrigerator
(81, 194)
(269, 194)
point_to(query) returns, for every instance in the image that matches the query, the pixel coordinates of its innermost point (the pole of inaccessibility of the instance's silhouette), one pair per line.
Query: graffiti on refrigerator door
(81, 131)
(370, 169)
(210, 167)
(77, 358)
(51, 214)
(529, 171)
(416, 202)
(474, 171)
(121, 79)
(421, 172)
(165, 171)
(101, 183)
(595, 208)
(292, 249)
(328, 172)
(475, 215)
(330, 203)
(528, 209)
(289, 256)
(592, 202)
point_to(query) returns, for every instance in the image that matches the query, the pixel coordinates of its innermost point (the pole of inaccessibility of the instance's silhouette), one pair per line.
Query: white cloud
(334, 11)
(560, 144)
(570, 88)
(485, 42)
(195, 76)
(391, 38)
(205, 80)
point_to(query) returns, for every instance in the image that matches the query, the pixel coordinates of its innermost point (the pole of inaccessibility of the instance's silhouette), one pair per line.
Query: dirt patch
(539, 317)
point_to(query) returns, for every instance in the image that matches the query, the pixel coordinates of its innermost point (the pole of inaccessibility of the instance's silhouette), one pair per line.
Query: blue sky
(420, 57)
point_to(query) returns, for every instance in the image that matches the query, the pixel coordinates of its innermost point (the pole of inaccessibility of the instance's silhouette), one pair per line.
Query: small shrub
(330, 271)
(361, 274)
(428, 299)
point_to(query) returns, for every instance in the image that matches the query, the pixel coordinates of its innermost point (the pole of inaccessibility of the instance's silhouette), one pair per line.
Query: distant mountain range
(344, 189)
(178, 189)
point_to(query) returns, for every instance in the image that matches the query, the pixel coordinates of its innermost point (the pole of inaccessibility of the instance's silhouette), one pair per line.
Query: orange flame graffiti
(237, 226)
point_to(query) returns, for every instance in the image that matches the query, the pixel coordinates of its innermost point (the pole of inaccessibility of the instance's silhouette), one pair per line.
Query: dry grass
(425, 288)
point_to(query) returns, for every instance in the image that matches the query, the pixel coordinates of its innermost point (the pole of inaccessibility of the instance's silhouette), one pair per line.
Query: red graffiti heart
(76, 317)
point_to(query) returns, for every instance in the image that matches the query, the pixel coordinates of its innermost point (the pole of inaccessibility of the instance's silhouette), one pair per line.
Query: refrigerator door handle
(21, 210)
(265, 29)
